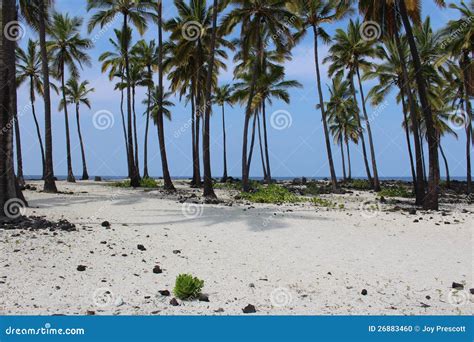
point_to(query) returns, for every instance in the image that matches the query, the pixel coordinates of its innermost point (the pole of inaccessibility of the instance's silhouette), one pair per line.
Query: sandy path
(283, 260)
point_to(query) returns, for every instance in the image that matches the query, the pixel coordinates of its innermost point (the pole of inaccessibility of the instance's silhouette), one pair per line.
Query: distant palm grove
(386, 42)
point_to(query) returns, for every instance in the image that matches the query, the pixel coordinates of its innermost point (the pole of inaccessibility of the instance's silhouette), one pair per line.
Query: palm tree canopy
(28, 67)
(66, 44)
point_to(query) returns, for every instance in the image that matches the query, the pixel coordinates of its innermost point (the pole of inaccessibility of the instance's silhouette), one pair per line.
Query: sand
(290, 259)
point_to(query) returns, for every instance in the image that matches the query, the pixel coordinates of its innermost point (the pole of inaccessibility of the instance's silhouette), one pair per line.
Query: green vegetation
(358, 184)
(144, 183)
(187, 286)
(271, 194)
(321, 202)
(397, 191)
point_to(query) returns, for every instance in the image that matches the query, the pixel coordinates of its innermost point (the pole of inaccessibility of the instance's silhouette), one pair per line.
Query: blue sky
(295, 151)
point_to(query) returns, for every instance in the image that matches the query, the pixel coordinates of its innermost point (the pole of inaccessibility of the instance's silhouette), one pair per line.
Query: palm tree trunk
(85, 174)
(70, 174)
(134, 177)
(343, 159)
(323, 111)
(9, 188)
(265, 137)
(38, 130)
(349, 160)
(448, 178)
(422, 143)
(248, 112)
(168, 184)
(465, 68)
(135, 135)
(19, 159)
(369, 133)
(208, 187)
(407, 135)
(419, 184)
(264, 168)
(49, 180)
(252, 143)
(431, 198)
(124, 129)
(224, 177)
(361, 134)
(196, 181)
(145, 145)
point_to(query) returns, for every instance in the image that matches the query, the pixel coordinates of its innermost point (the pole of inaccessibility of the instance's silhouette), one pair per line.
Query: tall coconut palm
(258, 18)
(350, 51)
(187, 51)
(155, 100)
(114, 62)
(36, 14)
(391, 15)
(343, 123)
(69, 51)
(168, 184)
(146, 54)
(432, 197)
(136, 12)
(28, 69)
(223, 96)
(77, 94)
(9, 189)
(390, 76)
(313, 15)
(461, 47)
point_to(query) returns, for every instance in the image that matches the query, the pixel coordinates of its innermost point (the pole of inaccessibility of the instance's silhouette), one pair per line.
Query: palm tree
(28, 69)
(188, 49)
(351, 52)
(258, 18)
(36, 14)
(168, 184)
(114, 61)
(146, 55)
(313, 14)
(137, 12)
(343, 123)
(405, 9)
(155, 101)
(390, 75)
(223, 96)
(387, 14)
(461, 47)
(9, 188)
(77, 94)
(68, 48)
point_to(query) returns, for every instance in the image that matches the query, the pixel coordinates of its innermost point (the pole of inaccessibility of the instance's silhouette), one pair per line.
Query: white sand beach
(290, 259)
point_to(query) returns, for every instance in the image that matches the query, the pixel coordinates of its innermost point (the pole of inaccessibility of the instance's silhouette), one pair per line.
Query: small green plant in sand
(397, 191)
(144, 183)
(271, 194)
(187, 286)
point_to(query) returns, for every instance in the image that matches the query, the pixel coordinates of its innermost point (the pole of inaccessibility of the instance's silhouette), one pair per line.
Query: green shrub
(358, 184)
(144, 183)
(397, 191)
(271, 194)
(187, 286)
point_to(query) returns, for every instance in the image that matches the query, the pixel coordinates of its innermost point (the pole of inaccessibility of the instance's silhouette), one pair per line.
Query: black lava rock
(81, 268)
(364, 292)
(249, 309)
(157, 269)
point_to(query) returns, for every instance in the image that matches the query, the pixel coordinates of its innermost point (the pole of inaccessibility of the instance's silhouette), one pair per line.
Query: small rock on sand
(157, 269)
(105, 224)
(81, 268)
(249, 309)
(174, 302)
(141, 247)
(364, 292)
(164, 292)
